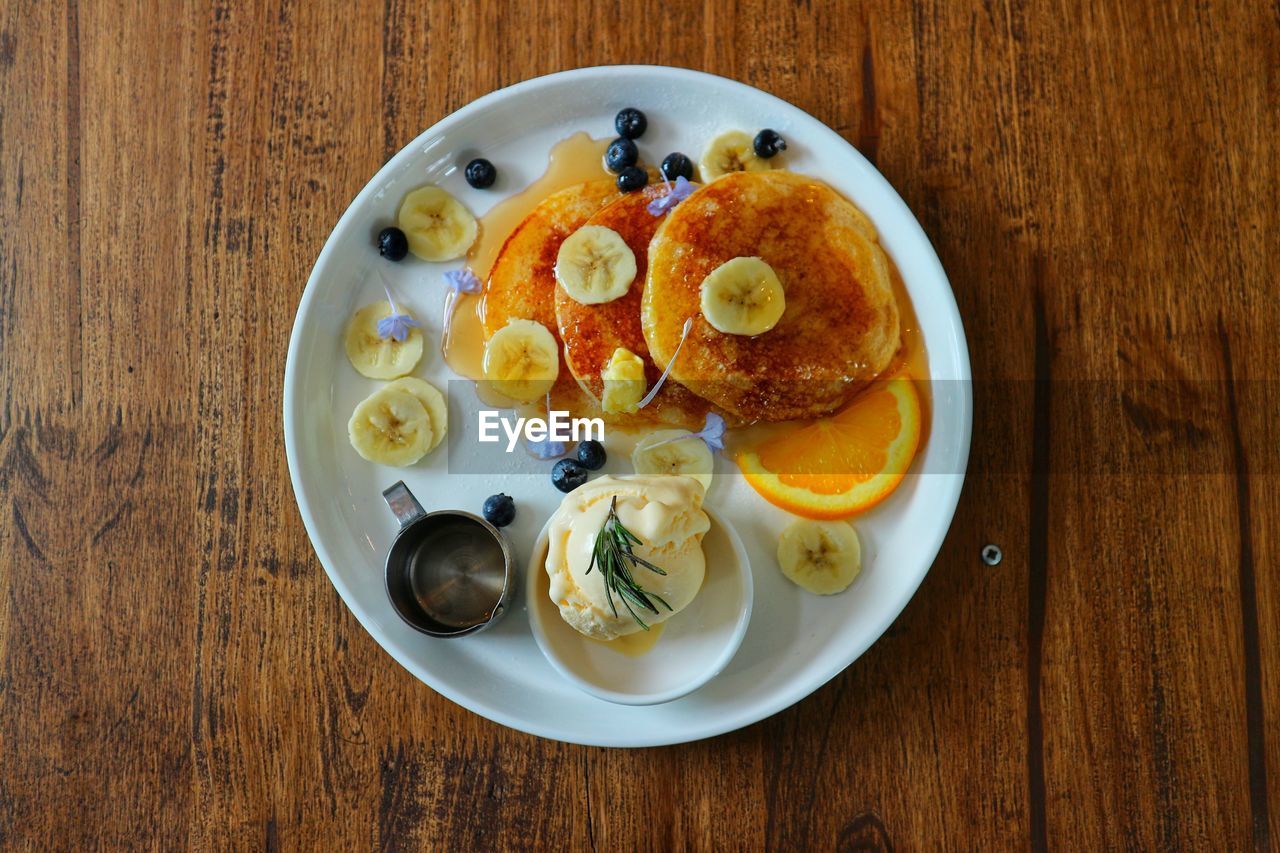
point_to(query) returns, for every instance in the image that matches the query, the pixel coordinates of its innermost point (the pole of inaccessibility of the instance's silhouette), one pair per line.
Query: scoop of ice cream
(664, 512)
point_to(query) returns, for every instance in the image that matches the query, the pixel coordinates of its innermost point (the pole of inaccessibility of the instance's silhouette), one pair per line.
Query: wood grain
(1100, 181)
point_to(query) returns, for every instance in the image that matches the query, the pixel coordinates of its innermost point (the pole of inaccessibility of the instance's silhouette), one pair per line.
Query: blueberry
(567, 475)
(631, 123)
(591, 455)
(620, 154)
(481, 174)
(392, 244)
(632, 178)
(499, 510)
(677, 165)
(768, 143)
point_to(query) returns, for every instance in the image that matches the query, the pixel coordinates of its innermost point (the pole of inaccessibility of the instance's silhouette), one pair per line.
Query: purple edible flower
(546, 448)
(683, 189)
(395, 325)
(712, 433)
(462, 281)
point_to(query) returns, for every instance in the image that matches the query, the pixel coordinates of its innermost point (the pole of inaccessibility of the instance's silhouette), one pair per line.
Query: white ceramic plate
(796, 641)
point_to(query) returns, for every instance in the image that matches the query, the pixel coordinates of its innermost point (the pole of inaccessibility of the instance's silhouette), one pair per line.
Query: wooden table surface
(1101, 183)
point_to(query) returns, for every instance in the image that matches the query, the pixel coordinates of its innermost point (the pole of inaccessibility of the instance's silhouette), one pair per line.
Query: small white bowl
(695, 646)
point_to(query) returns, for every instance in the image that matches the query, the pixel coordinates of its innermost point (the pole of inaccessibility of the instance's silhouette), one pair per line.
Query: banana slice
(624, 384)
(376, 357)
(743, 297)
(432, 400)
(731, 151)
(439, 228)
(522, 360)
(390, 427)
(595, 265)
(822, 557)
(689, 457)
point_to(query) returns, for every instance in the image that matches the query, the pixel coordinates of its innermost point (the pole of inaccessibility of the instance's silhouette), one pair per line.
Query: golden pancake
(840, 328)
(591, 333)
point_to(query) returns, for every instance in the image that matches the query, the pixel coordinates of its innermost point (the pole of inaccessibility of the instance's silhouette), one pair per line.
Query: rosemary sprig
(613, 550)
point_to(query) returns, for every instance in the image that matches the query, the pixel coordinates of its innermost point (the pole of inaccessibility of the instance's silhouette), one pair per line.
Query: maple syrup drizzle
(634, 645)
(574, 160)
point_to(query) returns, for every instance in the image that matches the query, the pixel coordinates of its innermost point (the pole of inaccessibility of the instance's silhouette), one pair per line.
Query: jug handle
(403, 504)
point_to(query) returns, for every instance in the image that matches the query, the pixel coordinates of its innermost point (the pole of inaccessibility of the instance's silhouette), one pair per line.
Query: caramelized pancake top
(840, 328)
(522, 283)
(591, 333)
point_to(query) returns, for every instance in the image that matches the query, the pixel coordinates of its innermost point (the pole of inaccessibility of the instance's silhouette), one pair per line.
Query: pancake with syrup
(840, 328)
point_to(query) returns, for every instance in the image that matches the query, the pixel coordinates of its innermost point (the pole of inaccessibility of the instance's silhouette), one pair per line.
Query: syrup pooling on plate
(912, 357)
(634, 645)
(571, 161)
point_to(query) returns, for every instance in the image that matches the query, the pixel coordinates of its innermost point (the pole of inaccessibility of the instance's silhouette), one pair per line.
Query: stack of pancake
(840, 328)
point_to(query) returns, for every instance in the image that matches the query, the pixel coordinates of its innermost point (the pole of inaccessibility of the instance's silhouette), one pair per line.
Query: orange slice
(843, 464)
